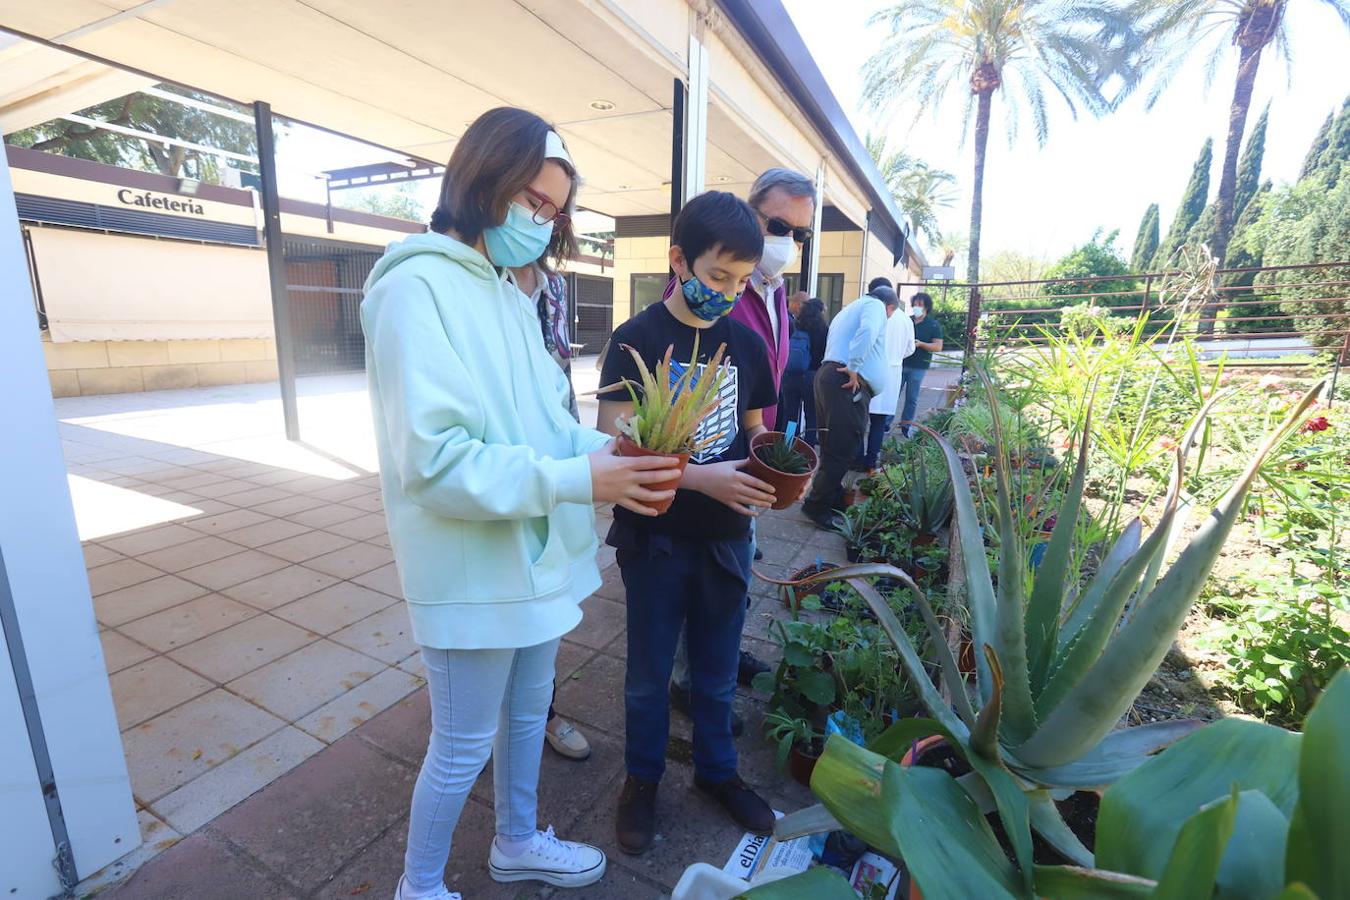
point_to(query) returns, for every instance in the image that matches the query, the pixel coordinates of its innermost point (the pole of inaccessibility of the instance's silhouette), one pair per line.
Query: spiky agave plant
(667, 409)
(783, 456)
(1059, 667)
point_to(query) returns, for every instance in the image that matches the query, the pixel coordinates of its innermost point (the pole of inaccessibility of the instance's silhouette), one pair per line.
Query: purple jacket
(752, 312)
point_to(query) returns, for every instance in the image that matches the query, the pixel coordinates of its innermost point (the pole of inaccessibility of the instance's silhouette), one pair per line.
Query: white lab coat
(899, 344)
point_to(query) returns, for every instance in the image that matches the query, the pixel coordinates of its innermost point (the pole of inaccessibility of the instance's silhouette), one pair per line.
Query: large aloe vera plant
(671, 403)
(1059, 666)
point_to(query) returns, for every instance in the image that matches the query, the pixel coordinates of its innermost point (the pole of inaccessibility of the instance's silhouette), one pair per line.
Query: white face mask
(916, 312)
(779, 253)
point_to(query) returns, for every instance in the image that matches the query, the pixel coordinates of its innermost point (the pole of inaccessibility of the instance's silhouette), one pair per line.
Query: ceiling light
(722, 179)
(625, 187)
(602, 105)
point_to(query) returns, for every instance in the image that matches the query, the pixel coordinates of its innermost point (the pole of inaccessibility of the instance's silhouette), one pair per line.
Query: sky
(1092, 173)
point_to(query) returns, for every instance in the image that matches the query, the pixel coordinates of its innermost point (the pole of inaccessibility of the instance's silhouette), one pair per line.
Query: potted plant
(786, 464)
(668, 408)
(799, 744)
(859, 528)
(793, 598)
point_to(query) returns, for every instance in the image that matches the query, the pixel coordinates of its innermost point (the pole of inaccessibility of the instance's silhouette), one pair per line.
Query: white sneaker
(559, 863)
(443, 894)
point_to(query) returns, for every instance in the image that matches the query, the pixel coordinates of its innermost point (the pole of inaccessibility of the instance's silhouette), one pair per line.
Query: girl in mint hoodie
(488, 487)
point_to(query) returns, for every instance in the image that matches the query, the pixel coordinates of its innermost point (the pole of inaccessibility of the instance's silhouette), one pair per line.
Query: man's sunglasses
(779, 228)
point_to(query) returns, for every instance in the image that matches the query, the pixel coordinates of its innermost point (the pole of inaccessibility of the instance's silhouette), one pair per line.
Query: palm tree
(1031, 46)
(919, 188)
(1177, 31)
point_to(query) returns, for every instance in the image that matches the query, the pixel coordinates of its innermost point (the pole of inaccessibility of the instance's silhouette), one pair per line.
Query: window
(644, 290)
(829, 288)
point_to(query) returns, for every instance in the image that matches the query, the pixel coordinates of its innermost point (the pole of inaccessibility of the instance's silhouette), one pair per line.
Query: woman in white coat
(881, 412)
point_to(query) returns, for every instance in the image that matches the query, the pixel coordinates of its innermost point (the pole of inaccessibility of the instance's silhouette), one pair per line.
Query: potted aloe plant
(785, 462)
(1056, 669)
(668, 408)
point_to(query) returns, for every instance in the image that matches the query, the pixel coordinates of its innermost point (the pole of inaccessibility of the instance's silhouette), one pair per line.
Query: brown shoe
(747, 809)
(635, 823)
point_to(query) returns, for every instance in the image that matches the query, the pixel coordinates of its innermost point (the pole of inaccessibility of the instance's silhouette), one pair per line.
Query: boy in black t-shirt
(693, 562)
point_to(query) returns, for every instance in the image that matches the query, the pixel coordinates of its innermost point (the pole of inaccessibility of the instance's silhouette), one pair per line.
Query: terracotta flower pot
(628, 448)
(788, 488)
(812, 590)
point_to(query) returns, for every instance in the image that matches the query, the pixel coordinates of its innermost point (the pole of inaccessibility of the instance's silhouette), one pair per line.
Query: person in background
(547, 291)
(927, 341)
(881, 411)
(812, 320)
(795, 395)
(488, 489)
(687, 572)
(853, 371)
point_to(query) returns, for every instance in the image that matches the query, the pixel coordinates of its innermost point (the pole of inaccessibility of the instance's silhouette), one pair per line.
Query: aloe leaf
(1320, 835)
(1141, 814)
(1194, 864)
(984, 736)
(1297, 891)
(812, 820)
(1095, 704)
(1119, 753)
(1177, 526)
(1083, 606)
(920, 815)
(856, 576)
(818, 883)
(1253, 860)
(1050, 825)
(1047, 593)
(1078, 883)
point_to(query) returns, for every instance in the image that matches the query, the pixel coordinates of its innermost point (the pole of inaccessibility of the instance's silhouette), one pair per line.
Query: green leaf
(917, 814)
(1083, 606)
(1253, 861)
(819, 883)
(1076, 883)
(798, 654)
(1297, 891)
(1047, 593)
(1320, 833)
(1141, 814)
(1118, 754)
(1050, 825)
(812, 820)
(816, 686)
(1194, 863)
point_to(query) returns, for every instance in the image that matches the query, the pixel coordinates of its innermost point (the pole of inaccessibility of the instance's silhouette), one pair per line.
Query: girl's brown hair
(497, 158)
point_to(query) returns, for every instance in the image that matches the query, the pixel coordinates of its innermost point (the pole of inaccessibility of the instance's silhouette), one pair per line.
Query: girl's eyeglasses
(547, 211)
(779, 227)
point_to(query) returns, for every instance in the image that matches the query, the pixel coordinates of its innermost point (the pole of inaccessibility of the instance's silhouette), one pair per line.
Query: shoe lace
(549, 846)
(565, 731)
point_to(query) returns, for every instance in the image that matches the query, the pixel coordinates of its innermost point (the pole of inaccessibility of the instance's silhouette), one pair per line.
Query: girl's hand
(726, 482)
(622, 479)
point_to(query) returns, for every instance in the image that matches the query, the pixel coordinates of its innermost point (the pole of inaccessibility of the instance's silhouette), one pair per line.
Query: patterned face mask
(704, 302)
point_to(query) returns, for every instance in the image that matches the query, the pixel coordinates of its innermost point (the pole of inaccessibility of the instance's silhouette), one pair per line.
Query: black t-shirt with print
(749, 386)
(927, 330)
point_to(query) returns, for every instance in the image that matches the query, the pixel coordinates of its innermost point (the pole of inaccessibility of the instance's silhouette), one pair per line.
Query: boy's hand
(726, 483)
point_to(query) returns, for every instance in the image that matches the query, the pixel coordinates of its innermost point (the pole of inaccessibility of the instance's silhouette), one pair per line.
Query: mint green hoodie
(487, 488)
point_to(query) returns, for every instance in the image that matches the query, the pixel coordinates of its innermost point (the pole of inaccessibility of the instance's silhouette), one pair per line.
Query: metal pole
(676, 161)
(276, 267)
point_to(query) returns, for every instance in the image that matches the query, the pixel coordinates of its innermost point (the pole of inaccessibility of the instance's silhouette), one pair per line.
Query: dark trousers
(879, 425)
(670, 581)
(796, 394)
(809, 399)
(842, 418)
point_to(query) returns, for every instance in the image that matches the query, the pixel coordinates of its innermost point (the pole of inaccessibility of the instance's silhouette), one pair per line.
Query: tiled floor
(255, 636)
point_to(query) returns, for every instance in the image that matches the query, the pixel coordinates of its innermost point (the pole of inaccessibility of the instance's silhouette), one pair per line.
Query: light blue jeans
(483, 703)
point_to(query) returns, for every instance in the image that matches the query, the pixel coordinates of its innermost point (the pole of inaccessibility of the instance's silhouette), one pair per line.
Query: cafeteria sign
(165, 203)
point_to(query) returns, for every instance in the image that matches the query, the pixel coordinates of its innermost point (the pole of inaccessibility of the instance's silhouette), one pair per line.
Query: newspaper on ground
(756, 853)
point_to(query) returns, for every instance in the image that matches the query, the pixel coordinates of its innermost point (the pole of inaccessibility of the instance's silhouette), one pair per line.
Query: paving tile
(288, 506)
(368, 527)
(611, 585)
(350, 561)
(371, 502)
(172, 749)
(375, 870)
(266, 532)
(202, 799)
(226, 521)
(222, 489)
(240, 649)
(403, 729)
(253, 495)
(300, 683)
(362, 703)
(306, 546)
(570, 658)
(119, 607)
(275, 476)
(116, 575)
(147, 689)
(386, 635)
(337, 493)
(280, 587)
(413, 665)
(188, 622)
(328, 514)
(156, 837)
(97, 555)
(313, 819)
(594, 694)
(189, 482)
(334, 608)
(204, 868)
(601, 622)
(384, 579)
(231, 570)
(119, 651)
(193, 553)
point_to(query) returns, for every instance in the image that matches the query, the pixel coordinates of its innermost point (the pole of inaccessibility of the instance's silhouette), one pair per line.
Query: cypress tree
(1249, 169)
(1337, 150)
(1319, 143)
(1146, 242)
(1191, 207)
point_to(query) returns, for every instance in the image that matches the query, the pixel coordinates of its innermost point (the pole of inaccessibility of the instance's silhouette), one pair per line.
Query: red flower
(1167, 444)
(1318, 424)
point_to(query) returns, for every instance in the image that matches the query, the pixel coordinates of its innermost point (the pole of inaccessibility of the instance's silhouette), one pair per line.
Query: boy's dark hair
(497, 158)
(923, 298)
(880, 281)
(721, 220)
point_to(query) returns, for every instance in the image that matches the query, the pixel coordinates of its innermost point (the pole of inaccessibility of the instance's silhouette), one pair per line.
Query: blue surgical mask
(704, 302)
(519, 240)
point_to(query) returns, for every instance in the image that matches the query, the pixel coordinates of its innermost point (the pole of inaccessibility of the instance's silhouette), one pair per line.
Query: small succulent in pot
(779, 454)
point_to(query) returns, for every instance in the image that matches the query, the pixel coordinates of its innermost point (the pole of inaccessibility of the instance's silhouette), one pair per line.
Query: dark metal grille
(323, 283)
(592, 311)
(56, 211)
